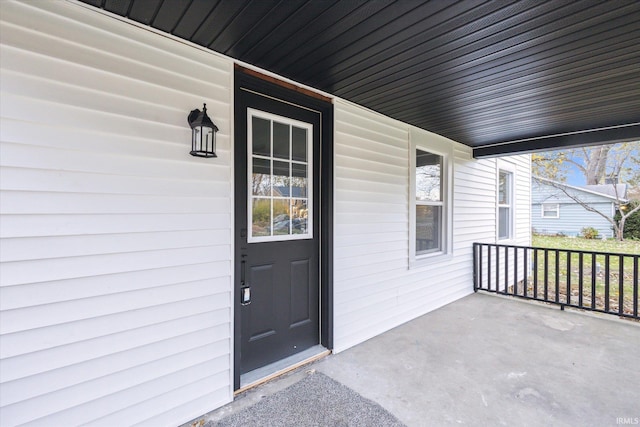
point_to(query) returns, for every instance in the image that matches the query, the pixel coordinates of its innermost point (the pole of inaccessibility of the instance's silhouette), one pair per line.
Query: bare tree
(601, 162)
(595, 163)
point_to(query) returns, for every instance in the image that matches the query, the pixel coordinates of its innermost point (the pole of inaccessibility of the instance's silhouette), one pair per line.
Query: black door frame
(250, 80)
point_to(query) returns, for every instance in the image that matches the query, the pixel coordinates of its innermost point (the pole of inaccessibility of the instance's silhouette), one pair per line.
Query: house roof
(501, 76)
(607, 190)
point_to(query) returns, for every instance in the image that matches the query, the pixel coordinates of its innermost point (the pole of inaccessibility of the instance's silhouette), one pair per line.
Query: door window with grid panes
(280, 175)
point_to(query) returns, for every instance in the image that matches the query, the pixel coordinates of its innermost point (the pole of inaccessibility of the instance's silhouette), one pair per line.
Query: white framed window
(279, 167)
(505, 203)
(550, 210)
(430, 214)
(429, 202)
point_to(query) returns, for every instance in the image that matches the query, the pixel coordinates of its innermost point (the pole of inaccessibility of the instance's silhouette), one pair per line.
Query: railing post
(606, 283)
(568, 298)
(593, 281)
(580, 278)
(475, 267)
(526, 271)
(557, 276)
(546, 274)
(488, 267)
(497, 268)
(506, 270)
(621, 285)
(635, 286)
(515, 270)
(480, 266)
(535, 273)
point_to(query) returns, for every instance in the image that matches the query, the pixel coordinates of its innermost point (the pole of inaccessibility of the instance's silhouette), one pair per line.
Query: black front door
(277, 191)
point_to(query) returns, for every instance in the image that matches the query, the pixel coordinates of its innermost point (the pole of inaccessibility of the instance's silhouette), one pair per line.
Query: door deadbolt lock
(245, 295)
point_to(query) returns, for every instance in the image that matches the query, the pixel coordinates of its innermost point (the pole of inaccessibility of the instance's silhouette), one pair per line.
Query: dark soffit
(500, 76)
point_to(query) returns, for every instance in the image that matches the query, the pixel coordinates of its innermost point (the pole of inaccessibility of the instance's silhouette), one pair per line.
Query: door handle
(245, 289)
(245, 295)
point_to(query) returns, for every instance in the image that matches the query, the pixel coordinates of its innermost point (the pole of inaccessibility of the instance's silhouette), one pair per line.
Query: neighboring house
(124, 259)
(553, 211)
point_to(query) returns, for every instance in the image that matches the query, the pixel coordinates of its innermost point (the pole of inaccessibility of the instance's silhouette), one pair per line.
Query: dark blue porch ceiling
(500, 76)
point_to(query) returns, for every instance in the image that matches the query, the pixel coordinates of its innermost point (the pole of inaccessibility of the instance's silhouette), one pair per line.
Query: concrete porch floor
(485, 361)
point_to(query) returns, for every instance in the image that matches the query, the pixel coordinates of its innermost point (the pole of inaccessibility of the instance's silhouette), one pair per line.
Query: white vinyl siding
(115, 284)
(522, 199)
(374, 290)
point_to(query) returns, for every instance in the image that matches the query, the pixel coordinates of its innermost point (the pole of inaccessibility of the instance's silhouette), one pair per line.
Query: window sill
(429, 259)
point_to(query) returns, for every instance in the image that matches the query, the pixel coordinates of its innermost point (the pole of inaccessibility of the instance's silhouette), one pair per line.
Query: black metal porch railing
(596, 281)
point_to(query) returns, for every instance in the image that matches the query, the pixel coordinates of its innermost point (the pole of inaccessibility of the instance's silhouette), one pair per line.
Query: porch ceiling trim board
(614, 134)
(511, 76)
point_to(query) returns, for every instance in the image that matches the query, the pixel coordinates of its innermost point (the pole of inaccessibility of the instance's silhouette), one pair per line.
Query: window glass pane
(504, 226)
(281, 219)
(428, 176)
(299, 144)
(261, 177)
(280, 140)
(299, 215)
(261, 213)
(504, 188)
(550, 210)
(298, 180)
(428, 228)
(281, 179)
(261, 136)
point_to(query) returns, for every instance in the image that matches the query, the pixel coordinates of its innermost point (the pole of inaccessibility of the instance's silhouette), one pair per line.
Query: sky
(575, 176)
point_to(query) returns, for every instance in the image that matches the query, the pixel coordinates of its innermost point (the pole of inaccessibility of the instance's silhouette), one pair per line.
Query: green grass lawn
(631, 247)
(574, 281)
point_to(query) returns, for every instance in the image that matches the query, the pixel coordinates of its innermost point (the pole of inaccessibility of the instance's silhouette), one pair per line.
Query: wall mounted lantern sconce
(203, 133)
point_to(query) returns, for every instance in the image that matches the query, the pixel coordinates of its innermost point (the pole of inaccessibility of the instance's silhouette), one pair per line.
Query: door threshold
(261, 375)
